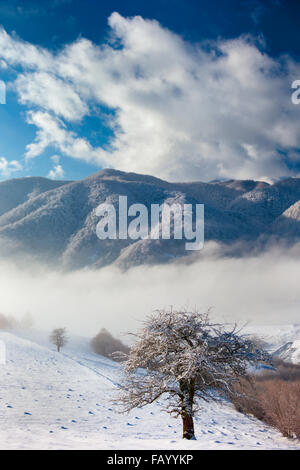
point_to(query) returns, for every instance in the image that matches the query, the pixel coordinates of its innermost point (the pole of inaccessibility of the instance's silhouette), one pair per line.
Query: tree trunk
(187, 388)
(58, 348)
(188, 426)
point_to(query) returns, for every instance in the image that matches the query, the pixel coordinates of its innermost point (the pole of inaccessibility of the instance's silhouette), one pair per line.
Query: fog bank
(259, 289)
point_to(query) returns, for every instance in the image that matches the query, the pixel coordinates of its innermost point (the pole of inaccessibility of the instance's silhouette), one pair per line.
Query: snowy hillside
(56, 221)
(63, 401)
(17, 191)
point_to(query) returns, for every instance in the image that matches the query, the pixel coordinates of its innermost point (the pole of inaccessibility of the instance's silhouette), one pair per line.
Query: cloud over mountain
(174, 109)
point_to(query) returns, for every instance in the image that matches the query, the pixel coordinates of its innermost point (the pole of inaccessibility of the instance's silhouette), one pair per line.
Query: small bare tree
(59, 338)
(185, 357)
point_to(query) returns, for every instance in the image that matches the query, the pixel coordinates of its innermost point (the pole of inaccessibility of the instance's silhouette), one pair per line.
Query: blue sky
(182, 89)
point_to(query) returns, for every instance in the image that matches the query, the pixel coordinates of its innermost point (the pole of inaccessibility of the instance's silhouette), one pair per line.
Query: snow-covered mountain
(282, 341)
(289, 352)
(17, 191)
(56, 221)
(51, 400)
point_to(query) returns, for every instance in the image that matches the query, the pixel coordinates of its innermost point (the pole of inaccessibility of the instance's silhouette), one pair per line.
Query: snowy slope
(64, 401)
(19, 190)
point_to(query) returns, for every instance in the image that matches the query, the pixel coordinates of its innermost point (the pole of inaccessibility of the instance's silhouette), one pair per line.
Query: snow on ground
(64, 401)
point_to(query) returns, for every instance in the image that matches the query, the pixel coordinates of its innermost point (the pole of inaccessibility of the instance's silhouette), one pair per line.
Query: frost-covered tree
(184, 358)
(59, 338)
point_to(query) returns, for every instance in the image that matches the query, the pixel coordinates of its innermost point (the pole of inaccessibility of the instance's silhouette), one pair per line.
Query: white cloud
(53, 131)
(51, 93)
(182, 111)
(55, 159)
(7, 168)
(57, 172)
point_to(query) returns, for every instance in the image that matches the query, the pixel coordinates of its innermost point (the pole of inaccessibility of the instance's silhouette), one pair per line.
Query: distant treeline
(9, 322)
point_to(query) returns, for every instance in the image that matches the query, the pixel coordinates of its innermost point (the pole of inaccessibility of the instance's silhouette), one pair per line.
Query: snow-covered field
(64, 401)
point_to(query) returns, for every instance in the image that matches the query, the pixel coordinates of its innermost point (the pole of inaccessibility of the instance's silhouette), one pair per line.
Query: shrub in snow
(273, 397)
(105, 344)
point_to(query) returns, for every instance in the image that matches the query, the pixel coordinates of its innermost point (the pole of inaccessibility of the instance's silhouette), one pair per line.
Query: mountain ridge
(56, 222)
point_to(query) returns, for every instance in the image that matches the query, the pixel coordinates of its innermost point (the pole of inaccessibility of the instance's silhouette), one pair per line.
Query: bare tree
(59, 338)
(185, 357)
